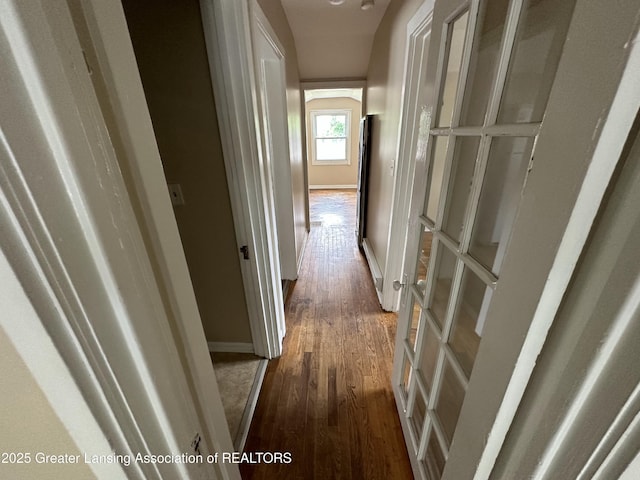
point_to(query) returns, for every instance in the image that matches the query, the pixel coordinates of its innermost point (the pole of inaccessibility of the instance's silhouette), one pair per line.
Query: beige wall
(335, 174)
(29, 424)
(384, 97)
(277, 19)
(170, 50)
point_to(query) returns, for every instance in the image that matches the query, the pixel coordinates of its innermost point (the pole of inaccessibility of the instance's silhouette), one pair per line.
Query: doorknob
(397, 285)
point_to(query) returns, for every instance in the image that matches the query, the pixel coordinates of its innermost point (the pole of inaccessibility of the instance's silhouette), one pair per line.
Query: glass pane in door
(434, 459)
(406, 375)
(541, 34)
(464, 161)
(445, 267)
(418, 414)
(429, 357)
(455, 40)
(501, 188)
(507, 68)
(492, 16)
(438, 158)
(414, 323)
(426, 238)
(469, 318)
(449, 401)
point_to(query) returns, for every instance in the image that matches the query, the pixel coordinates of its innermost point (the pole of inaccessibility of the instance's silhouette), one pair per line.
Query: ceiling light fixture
(336, 2)
(367, 4)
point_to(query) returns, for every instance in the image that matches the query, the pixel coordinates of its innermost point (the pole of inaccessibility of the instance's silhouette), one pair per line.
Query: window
(330, 130)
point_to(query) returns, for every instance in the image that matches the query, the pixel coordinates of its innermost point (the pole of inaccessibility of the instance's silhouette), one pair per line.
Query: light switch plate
(175, 192)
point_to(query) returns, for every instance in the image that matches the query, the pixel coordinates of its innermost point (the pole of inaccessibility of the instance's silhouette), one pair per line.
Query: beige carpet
(236, 373)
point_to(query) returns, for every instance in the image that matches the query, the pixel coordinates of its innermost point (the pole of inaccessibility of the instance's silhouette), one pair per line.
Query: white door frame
(418, 33)
(274, 128)
(110, 47)
(227, 29)
(275, 144)
(75, 245)
(323, 85)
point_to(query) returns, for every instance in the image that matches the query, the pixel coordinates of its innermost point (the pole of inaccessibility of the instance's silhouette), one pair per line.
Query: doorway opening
(332, 121)
(177, 86)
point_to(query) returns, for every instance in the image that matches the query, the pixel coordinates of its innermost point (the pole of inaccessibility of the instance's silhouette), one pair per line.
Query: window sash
(323, 153)
(319, 154)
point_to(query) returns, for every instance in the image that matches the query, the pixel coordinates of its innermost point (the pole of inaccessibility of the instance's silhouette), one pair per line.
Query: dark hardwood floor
(328, 399)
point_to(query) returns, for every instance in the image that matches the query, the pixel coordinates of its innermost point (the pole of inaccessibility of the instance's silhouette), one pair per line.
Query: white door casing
(76, 247)
(227, 28)
(562, 196)
(272, 107)
(272, 96)
(87, 425)
(106, 44)
(418, 35)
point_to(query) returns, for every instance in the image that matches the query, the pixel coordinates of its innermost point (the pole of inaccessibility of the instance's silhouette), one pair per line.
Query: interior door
(276, 169)
(490, 70)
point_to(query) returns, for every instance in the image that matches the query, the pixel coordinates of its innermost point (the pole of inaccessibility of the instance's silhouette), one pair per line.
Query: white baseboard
(302, 250)
(232, 347)
(333, 187)
(252, 401)
(374, 267)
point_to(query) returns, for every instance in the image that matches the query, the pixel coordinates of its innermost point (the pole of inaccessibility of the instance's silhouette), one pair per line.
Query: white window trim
(314, 114)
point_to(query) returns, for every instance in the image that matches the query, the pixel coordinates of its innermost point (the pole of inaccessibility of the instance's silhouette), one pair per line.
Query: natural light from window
(330, 136)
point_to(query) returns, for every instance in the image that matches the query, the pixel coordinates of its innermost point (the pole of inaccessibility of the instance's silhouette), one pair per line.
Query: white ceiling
(333, 41)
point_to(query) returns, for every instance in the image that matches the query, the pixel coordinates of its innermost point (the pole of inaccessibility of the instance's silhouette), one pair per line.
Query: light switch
(175, 192)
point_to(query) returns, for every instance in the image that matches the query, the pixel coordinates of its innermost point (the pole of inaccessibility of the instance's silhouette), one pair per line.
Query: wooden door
(493, 65)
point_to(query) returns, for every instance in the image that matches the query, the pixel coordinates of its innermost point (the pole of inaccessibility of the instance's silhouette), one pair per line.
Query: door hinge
(245, 251)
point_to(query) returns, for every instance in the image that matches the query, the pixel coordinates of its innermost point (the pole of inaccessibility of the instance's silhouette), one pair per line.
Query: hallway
(328, 399)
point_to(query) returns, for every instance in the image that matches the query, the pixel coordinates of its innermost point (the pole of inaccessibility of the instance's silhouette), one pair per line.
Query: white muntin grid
(412, 383)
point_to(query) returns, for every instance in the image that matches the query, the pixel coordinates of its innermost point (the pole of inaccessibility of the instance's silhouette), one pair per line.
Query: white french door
(492, 67)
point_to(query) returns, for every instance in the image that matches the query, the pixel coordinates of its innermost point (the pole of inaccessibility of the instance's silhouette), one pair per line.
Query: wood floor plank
(328, 400)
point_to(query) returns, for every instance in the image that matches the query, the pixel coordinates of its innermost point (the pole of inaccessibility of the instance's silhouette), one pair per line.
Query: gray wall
(383, 99)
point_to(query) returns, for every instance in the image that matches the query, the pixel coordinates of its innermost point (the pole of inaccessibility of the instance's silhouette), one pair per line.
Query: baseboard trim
(302, 250)
(286, 286)
(230, 347)
(250, 408)
(374, 268)
(333, 187)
